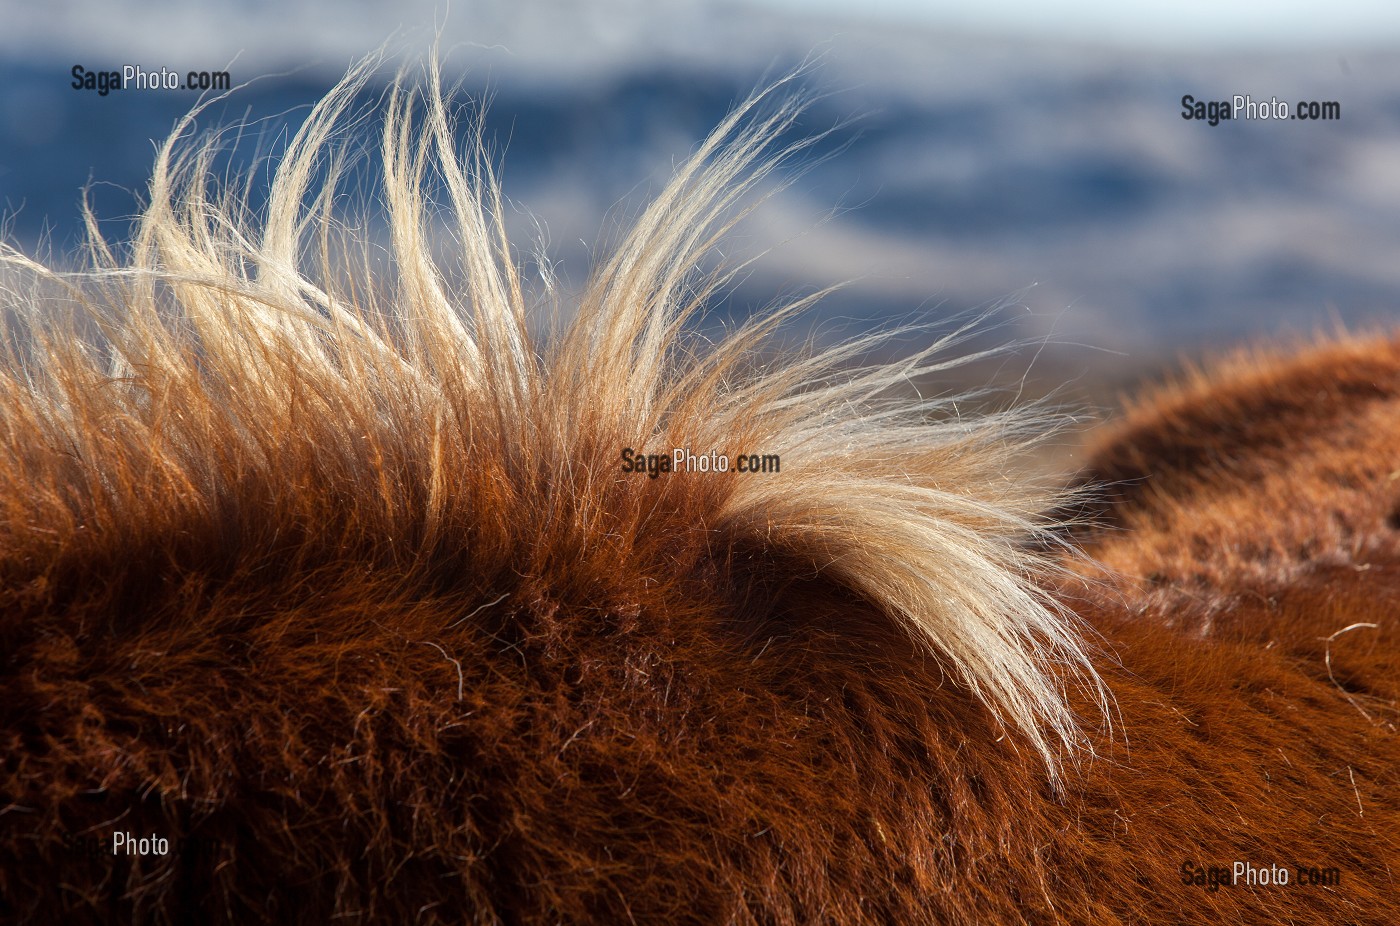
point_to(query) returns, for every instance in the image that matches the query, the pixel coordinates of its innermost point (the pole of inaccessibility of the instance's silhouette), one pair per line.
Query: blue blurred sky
(1187, 24)
(1002, 152)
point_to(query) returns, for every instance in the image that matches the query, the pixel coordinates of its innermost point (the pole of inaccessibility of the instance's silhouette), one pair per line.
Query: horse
(350, 576)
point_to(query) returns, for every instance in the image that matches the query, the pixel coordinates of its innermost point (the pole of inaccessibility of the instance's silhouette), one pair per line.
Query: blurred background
(1004, 155)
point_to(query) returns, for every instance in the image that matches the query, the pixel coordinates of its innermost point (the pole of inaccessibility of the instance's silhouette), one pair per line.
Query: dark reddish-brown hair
(340, 588)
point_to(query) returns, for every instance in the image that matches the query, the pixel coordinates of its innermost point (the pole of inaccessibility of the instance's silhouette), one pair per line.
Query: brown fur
(360, 616)
(1249, 580)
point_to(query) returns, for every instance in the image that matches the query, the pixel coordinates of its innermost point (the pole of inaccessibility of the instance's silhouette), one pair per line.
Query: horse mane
(245, 373)
(325, 555)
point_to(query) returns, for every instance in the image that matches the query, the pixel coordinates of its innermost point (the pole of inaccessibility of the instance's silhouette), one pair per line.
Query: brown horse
(329, 592)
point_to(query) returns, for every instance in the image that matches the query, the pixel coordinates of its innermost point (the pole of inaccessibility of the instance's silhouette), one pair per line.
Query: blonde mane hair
(269, 360)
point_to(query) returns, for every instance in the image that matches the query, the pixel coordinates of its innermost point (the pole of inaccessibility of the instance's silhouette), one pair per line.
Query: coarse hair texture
(320, 567)
(238, 371)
